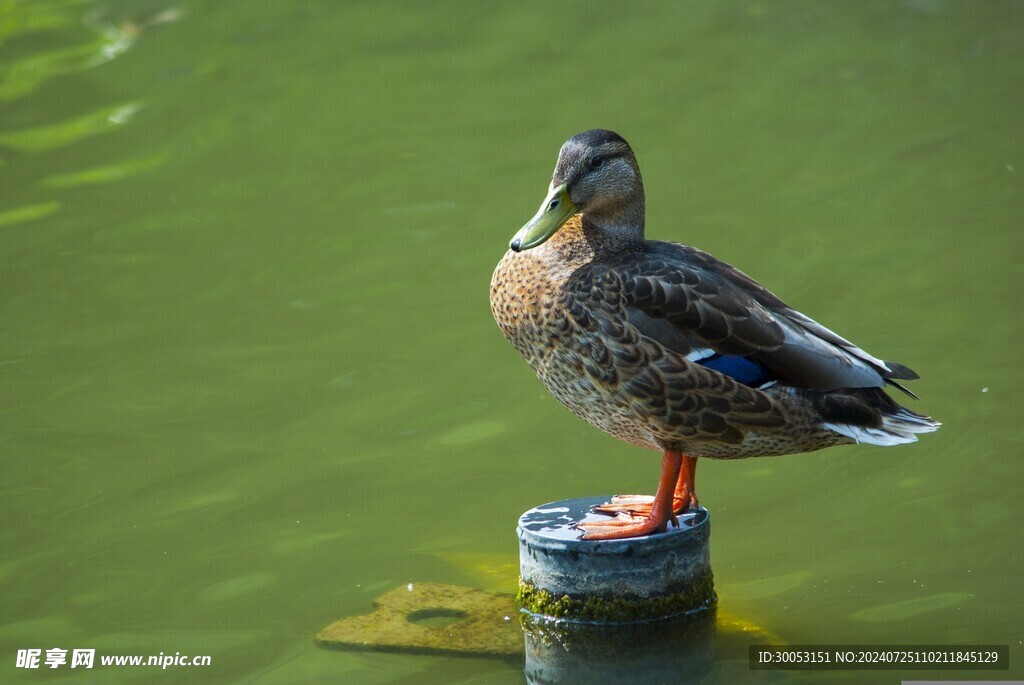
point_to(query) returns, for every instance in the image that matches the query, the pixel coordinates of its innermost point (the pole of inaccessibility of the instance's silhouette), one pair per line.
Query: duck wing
(699, 306)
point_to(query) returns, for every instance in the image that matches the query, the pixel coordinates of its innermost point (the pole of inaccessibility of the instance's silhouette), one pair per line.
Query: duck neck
(618, 227)
(582, 239)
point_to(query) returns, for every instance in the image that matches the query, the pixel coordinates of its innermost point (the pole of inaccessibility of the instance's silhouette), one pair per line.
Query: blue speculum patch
(742, 369)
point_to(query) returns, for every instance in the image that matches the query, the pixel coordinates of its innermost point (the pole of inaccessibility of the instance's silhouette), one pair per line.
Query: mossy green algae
(697, 595)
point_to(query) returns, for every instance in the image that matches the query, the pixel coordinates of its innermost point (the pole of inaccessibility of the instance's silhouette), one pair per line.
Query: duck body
(573, 315)
(668, 348)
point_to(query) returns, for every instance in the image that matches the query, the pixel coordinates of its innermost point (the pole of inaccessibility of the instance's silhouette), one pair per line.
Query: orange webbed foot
(637, 515)
(622, 526)
(640, 505)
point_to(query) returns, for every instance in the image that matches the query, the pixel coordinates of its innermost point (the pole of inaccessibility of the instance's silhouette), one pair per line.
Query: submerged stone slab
(650, 577)
(681, 649)
(433, 618)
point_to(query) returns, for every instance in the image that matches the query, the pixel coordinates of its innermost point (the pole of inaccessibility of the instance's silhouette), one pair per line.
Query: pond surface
(250, 377)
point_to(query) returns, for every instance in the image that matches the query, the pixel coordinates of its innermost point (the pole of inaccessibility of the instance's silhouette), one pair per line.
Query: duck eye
(596, 162)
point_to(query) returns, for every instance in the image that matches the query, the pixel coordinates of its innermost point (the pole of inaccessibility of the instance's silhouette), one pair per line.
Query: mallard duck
(668, 348)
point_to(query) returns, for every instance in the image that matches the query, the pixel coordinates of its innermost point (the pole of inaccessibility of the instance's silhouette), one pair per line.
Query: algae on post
(615, 608)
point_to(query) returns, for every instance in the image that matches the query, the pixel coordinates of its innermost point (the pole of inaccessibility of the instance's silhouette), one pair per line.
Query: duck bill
(554, 211)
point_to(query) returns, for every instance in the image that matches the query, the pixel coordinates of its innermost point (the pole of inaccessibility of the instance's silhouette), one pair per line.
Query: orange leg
(686, 486)
(627, 526)
(683, 499)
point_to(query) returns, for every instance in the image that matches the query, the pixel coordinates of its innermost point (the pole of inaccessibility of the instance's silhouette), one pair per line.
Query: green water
(250, 380)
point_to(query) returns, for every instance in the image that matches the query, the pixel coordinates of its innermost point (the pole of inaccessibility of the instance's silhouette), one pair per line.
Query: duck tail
(869, 415)
(903, 373)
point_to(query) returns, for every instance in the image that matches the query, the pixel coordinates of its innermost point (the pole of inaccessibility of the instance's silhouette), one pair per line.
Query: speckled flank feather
(607, 321)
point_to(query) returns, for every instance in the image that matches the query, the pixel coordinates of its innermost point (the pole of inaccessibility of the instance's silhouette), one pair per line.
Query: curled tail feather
(870, 415)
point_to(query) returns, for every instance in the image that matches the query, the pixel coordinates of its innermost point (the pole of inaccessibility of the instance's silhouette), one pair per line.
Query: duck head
(597, 176)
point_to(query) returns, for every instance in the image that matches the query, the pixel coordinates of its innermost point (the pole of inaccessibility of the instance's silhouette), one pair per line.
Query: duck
(668, 348)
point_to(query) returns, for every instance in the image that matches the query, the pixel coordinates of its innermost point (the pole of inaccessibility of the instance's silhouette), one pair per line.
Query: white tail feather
(896, 429)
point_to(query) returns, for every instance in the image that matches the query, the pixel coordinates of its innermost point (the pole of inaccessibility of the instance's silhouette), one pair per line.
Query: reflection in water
(24, 73)
(53, 136)
(679, 650)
